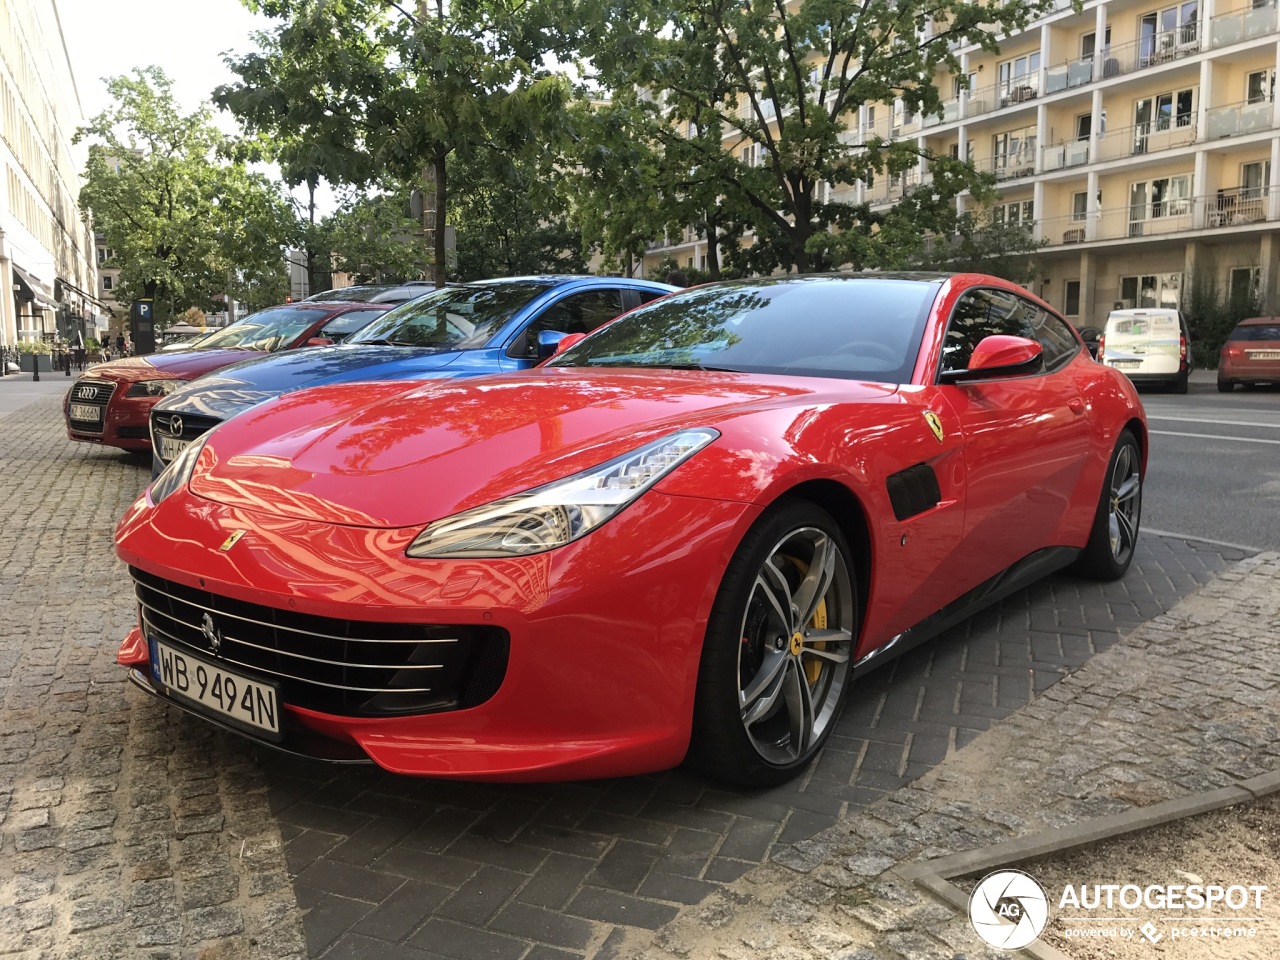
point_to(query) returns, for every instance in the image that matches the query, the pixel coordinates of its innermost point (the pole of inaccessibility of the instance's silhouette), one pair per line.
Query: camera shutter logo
(1008, 909)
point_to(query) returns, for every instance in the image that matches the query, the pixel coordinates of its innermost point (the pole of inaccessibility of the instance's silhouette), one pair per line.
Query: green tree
(183, 220)
(373, 238)
(980, 243)
(787, 81)
(412, 87)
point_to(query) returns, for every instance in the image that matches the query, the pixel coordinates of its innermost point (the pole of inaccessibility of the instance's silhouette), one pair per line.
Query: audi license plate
(86, 411)
(1126, 364)
(170, 447)
(215, 690)
(1263, 354)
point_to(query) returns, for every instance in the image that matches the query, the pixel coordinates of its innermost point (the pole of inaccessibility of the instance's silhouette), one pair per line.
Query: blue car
(491, 326)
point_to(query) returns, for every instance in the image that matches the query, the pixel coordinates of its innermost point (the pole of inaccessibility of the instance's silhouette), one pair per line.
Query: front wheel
(777, 656)
(1114, 535)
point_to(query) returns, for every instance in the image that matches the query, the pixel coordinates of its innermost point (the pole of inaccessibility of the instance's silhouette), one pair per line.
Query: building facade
(1138, 140)
(48, 265)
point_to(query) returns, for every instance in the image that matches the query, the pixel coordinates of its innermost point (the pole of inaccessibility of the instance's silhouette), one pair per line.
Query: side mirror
(562, 343)
(320, 342)
(549, 343)
(999, 356)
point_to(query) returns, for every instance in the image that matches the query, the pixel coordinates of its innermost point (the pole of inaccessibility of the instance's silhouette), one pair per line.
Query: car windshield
(459, 318)
(855, 328)
(267, 330)
(340, 328)
(1256, 331)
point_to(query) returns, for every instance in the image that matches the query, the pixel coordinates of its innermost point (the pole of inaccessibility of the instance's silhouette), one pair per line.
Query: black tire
(1114, 535)
(1225, 386)
(772, 681)
(1180, 385)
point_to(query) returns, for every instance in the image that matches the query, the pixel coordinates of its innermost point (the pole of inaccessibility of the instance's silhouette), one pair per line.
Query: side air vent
(913, 490)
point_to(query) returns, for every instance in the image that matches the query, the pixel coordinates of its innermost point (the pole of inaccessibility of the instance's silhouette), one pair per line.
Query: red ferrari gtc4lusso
(682, 538)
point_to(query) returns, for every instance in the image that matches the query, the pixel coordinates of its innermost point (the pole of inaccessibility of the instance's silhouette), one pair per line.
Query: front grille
(190, 425)
(346, 667)
(95, 393)
(131, 433)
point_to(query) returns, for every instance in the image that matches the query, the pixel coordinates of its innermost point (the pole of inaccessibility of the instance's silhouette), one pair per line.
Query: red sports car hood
(179, 365)
(404, 454)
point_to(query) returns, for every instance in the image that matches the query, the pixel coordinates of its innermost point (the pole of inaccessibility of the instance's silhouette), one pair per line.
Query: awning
(33, 289)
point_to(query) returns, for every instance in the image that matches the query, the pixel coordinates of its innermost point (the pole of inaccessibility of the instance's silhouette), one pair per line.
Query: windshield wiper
(693, 365)
(382, 342)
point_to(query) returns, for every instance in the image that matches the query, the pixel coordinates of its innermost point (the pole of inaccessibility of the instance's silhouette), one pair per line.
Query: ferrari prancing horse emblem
(232, 540)
(935, 424)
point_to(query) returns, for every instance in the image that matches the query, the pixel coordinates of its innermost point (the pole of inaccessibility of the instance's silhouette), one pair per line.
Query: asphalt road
(1214, 469)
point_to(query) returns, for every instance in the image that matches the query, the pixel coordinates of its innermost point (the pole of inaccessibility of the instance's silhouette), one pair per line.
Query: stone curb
(935, 875)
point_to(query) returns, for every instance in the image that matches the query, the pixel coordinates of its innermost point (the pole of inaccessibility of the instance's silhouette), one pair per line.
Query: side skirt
(1028, 570)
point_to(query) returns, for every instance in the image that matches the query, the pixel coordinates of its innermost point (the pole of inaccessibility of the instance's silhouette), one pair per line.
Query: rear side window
(1256, 332)
(1054, 336)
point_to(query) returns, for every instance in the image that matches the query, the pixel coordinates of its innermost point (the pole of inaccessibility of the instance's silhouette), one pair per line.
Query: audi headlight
(551, 516)
(175, 476)
(154, 388)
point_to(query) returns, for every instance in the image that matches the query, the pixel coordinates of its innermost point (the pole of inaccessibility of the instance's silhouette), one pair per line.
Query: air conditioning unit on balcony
(1074, 235)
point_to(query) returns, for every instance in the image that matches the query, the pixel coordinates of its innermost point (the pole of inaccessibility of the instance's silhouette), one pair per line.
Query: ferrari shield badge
(232, 540)
(935, 424)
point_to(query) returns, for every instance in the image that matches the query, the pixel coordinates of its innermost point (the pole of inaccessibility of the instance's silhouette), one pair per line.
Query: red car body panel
(333, 484)
(124, 420)
(1250, 355)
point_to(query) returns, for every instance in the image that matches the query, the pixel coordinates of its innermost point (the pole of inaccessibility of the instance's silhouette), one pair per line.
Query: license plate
(1126, 364)
(170, 447)
(86, 411)
(217, 691)
(1263, 354)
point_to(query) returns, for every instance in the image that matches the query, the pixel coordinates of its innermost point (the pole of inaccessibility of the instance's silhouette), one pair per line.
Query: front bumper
(124, 419)
(605, 633)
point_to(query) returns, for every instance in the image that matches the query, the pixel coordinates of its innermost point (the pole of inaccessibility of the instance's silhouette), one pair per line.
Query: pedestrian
(677, 278)
(120, 345)
(106, 348)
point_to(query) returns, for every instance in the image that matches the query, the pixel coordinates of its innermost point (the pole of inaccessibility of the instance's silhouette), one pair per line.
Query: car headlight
(175, 476)
(154, 388)
(558, 513)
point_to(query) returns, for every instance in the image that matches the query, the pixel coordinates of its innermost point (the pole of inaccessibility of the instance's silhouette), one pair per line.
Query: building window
(1089, 44)
(1084, 126)
(1246, 284)
(106, 283)
(1260, 87)
(1162, 112)
(1019, 78)
(1151, 290)
(1255, 178)
(1155, 199)
(1019, 211)
(1071, 304)
(1080, 206)
(1163, 33)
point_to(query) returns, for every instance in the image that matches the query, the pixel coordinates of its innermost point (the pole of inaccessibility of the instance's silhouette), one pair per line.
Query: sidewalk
(1185, 706)
(17, 389)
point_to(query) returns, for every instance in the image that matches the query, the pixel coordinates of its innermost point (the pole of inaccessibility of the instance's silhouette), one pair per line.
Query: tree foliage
(373, 238)
(184, 221)
(979, 243)
(785, 84)
(409, 86)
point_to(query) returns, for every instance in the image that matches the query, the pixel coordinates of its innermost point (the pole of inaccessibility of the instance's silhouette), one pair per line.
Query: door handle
(1075, 405)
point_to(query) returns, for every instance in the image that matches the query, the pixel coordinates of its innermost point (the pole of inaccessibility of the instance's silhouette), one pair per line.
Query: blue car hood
(236, 388)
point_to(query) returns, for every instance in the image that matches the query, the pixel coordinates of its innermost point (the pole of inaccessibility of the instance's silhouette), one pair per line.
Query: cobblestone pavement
(1187, 703)
(125, 829)
(131, 829)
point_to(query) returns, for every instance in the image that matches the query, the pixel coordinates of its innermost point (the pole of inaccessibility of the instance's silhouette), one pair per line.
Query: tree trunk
(316, 282)
(438, 273)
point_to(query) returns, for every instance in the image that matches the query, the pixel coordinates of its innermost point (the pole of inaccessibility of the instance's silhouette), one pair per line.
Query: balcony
(1009, 166)
(892, 189)
(1237, 119)
(1237, 207)
(1152, 51)
(1065, 76)
(1241, 25)
(1064, 154)
(1147, 138)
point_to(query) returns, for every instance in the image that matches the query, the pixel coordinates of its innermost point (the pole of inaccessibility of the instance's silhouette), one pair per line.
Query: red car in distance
(1251, 354)
(111, 403)
(682, 538)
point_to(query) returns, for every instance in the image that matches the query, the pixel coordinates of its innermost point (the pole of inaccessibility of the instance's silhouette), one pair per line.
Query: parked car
(1251, 354)
(684, 536)
(375, 292)
(462, 330)
(1149, 346)
(111, 402)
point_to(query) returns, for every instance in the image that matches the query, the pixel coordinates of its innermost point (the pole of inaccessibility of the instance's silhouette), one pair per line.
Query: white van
(1148, 346)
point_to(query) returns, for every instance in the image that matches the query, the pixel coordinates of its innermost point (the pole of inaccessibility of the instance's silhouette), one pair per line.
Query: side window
(979, 314)
(341, 327)
(576, 313)
(1053, 335)
(648, 296)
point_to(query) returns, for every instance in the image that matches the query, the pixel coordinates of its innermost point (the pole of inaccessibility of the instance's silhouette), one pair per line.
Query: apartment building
(1139, 140)
(48, 266)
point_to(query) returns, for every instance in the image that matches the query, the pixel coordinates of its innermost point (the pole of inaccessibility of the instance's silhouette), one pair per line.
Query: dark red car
(1251, 354)
(685, 535)
(110, 404)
